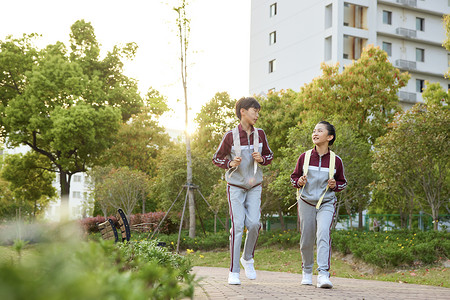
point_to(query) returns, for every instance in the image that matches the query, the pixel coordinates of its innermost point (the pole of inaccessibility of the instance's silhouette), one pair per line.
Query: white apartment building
(291, 38)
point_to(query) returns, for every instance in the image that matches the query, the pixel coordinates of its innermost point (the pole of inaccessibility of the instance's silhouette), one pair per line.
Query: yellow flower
(189, 251)
(171, 243)
(201, 256)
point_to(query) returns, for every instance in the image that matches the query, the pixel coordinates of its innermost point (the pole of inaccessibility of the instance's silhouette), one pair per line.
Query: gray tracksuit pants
(245, 211)
(316, 226)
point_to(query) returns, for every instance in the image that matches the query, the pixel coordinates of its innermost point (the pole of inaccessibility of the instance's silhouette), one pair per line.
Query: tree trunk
(190, 190)
(360, 217)
(280, 213)
(64, 181)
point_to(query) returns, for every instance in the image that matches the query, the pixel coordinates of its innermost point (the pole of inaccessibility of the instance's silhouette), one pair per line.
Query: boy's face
(320, 135)
(250, 115)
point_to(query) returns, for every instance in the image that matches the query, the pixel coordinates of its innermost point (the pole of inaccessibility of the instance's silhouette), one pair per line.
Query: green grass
(289, 260)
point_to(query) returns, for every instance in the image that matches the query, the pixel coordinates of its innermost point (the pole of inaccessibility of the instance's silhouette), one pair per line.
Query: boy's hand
(331, 183)
(257, 156)
(235, 162)
(302, 181)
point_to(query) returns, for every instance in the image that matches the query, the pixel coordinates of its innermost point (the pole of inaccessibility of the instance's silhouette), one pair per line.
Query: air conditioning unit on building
(412, 3)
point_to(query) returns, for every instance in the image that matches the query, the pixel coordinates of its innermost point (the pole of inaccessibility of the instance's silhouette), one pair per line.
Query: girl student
(317, 201)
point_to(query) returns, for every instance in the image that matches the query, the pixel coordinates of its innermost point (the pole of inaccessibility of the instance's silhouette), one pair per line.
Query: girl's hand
(331, 183)
(235, 162)
(301, 181)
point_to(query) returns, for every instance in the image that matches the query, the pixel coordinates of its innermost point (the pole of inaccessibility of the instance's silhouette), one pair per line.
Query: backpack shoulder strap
(255, 148)
(330, 176)
(332, 164)
(306, 162)
(256, 140)
(236, 141)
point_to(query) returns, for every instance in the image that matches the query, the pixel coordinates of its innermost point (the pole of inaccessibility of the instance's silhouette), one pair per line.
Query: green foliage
(215, 118)
(364, 94)
(201, 242)
(138, 142)
(382, 249)
(121, 188)
(393, 248)
(30, 183)
(420, 134)
(137, 270)
(66, 106)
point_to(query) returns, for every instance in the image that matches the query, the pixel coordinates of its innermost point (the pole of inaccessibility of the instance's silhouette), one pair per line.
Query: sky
(218, 54)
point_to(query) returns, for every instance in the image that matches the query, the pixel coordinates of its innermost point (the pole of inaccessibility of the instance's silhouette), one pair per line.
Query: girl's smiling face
(320, 135)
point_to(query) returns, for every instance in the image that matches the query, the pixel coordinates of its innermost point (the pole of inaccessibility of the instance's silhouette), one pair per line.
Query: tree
(30, 182)
(183, 34)
(419, 138)
(139, 140)
(66, 107)
(7, 204)
(364, 94)
(215, 118)
(123, 188)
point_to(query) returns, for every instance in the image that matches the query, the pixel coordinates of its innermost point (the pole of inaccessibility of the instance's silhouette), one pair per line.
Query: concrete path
(276, 285)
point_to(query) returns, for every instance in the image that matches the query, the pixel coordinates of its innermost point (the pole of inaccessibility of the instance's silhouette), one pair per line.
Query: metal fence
(375, 222)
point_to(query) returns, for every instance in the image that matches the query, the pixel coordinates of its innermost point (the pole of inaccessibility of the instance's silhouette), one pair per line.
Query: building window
(273, 9)
(328, 47)
(353, 46)
(272, 65)
(420, 24)
(388, 48)
(355, 16)
(420, 85)
(448, 59)
(76, 195)
(76, 178)
(387, 17)
(273, 37)
(420, 54)
(329, 16)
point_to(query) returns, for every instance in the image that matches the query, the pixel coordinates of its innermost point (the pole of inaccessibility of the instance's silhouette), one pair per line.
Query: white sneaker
(249, 268)
(307, 278)
(233, 278)
(323, 281)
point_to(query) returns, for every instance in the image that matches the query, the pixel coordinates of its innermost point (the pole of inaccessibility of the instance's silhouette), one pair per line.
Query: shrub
(97, 270)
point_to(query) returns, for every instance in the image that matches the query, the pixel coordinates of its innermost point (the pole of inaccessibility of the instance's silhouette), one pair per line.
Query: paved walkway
(276, 285)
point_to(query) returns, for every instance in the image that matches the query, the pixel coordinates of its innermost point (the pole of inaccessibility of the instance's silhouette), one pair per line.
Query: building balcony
(412, 3)
(407, 97)
(406, 32)
(405, 64)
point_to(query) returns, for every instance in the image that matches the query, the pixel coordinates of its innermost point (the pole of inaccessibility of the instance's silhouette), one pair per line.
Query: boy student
(241, 152)
(317, 200)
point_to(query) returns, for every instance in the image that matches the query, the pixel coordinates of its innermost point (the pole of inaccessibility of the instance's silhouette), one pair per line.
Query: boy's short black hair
(331, 131)
(246, 103)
